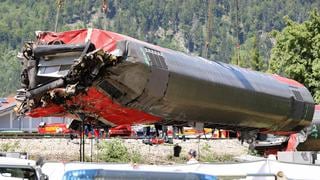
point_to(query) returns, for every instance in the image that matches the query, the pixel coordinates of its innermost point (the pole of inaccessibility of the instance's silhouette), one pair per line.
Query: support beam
(11, 119)
(30, 124)
(82, 117)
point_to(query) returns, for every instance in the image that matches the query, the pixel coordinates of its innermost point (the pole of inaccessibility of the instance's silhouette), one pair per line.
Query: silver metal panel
(53, 71)
(58, 60)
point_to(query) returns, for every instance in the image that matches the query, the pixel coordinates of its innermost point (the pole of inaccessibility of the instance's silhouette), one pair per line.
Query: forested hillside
(185, 25)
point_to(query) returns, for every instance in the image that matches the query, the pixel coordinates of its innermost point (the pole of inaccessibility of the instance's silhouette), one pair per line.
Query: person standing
(176, 150)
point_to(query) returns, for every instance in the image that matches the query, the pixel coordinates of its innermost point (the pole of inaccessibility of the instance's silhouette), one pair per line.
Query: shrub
(116, 151)
(9, 146)
(113, 151)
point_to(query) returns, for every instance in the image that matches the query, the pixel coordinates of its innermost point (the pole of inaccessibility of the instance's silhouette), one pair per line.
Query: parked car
(122, 130)
(14, 168)
(53, 128)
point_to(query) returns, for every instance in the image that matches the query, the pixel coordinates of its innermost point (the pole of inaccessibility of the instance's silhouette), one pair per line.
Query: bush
(9, 147)
(116, 151)
(113, 151)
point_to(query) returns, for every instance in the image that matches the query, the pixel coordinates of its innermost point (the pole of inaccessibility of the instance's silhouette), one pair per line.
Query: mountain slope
(176, 24)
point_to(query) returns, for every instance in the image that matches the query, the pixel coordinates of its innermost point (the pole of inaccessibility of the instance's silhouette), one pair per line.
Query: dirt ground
(68, 150)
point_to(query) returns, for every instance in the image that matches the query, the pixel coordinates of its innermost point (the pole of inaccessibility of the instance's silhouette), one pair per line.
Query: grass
(206, 155)
(213, 157)
(116, 151)
(9, 146)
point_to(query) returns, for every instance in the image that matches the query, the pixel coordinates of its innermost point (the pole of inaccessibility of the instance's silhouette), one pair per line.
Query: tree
(181, 24)
(256, 60)
(10, 71)
(297, 53)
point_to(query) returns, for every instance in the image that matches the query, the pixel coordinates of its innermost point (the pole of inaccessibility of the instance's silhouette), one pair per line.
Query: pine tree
(256, 60)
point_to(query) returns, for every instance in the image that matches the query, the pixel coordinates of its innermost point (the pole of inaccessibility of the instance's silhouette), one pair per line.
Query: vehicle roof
(7, 104)
(4, 161)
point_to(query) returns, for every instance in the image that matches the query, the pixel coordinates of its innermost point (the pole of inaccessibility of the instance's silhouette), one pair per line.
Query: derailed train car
(120, 80)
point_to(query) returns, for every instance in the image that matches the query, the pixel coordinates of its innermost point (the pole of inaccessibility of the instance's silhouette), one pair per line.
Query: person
(192, 154)
(176, 150)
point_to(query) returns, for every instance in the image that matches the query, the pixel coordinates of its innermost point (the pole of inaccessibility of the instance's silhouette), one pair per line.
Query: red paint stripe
(287, 81)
